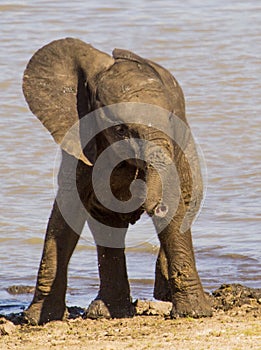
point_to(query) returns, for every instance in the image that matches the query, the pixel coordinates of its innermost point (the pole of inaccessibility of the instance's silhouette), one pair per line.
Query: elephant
(90, 102)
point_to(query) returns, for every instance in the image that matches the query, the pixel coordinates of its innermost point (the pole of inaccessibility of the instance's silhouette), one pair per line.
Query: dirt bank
(236, 324)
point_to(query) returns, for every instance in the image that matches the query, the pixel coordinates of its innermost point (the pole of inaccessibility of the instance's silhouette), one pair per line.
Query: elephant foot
(99, 309)
(40, 313)
(192, 305)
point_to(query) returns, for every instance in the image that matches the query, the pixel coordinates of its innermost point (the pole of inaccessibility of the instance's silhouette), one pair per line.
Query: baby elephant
(126, 150)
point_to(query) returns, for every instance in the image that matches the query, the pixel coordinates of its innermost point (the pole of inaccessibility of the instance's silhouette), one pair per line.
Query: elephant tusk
(85, 160)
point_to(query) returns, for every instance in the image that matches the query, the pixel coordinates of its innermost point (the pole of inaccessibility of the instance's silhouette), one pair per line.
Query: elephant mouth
(137, 163)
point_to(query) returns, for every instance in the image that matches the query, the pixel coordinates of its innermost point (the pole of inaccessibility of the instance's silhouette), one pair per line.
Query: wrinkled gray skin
(63, 82)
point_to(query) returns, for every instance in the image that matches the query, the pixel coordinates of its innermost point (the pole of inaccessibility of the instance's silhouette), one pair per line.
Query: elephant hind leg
(161, 287)
(113, 300)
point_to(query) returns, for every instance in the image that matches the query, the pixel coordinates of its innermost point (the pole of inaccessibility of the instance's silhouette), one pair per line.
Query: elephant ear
(59, 87)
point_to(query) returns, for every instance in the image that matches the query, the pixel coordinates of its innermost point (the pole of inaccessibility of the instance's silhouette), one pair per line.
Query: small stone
(153, 308)
(161, 308)
(141, 306)
(16, 289)
(6, 327)
(247, 306)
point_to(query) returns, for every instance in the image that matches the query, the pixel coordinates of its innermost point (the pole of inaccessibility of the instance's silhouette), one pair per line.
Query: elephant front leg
(176, 275)
(49, 299)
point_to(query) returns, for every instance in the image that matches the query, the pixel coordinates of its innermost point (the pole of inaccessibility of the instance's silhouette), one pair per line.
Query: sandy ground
(239, 327)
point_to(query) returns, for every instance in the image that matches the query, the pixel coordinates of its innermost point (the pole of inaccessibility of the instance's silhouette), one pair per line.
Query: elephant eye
(121, 130)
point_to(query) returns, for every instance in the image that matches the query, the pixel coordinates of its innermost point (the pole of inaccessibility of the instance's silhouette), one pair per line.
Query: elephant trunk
(161, 199)
(154, 191)
(162, 196)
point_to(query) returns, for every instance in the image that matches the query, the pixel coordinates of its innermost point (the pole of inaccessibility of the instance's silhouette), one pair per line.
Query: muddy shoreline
(236, 324)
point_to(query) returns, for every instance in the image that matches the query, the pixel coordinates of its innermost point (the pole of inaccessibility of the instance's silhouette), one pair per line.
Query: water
(213, 49)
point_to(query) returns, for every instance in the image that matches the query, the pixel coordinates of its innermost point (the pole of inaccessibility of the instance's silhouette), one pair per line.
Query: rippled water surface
(213, 49)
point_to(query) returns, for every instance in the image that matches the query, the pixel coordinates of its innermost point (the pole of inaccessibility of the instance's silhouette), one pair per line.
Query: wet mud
(226, 297)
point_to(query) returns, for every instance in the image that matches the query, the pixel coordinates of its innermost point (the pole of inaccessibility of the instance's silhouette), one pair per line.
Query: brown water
(213, 48)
